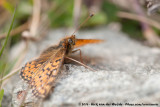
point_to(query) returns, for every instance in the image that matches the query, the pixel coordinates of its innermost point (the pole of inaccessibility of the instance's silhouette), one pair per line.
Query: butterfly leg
(80, 53)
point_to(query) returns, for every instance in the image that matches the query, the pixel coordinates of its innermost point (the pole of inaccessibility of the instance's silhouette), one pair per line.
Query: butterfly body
(42, 72)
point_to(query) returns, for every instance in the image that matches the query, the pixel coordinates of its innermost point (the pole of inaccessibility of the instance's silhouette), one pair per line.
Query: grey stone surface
(126, 72)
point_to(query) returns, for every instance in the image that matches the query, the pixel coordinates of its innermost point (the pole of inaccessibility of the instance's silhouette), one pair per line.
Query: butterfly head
(70, 42)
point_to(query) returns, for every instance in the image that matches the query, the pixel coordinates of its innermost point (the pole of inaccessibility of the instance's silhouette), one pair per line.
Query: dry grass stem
(139, 18)
(35, 17)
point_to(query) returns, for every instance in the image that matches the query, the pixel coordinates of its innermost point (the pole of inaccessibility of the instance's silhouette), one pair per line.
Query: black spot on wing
(48, 69)
(58, 60)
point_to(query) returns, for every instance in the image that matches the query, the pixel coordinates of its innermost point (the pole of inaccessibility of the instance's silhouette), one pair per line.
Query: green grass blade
(6, 40)
(1, 96)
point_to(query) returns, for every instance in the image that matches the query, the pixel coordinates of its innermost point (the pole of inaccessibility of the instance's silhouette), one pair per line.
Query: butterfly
(42, 72)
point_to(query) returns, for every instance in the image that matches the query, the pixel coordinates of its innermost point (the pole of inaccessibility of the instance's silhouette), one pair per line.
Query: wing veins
(59, 65)
(43, 65)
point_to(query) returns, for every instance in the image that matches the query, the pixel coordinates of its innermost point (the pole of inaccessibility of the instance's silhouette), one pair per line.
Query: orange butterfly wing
(28, 70)
(41, 79)
(32, 67)
(42, 82)
(81, 42)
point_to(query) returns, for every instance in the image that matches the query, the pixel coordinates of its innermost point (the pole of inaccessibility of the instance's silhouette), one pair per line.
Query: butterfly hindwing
(43, 80)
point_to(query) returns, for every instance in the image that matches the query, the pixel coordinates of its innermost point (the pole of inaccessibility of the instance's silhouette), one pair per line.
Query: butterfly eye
(70, 41)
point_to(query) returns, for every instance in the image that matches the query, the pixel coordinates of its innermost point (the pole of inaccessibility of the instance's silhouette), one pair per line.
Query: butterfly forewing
(32, 67)
(28, 70)
(82, 42)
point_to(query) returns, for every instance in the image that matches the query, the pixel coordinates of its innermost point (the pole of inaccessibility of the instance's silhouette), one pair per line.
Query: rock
(126, 72)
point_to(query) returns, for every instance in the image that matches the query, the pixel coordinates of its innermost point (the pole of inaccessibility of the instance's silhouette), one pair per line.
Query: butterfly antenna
(91, 15)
